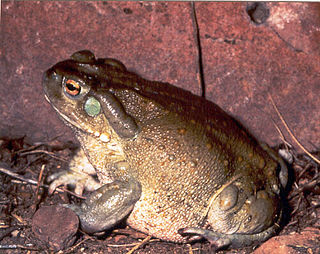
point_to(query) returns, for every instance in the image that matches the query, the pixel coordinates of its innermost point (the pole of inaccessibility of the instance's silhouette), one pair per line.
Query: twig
(290, 132)
(129, 244)
(72, 248)
(140, 244)
(39, 180)
(45, 152)
(199, 48)
(30, 148)
(306, 168)
(4, 169)
(297, 205)
(7, 231)
(17, 246)
(18, 218)
(121, 245)
(286, 143)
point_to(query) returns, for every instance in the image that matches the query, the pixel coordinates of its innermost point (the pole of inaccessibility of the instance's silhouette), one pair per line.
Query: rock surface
(251, 54)
(249, 51)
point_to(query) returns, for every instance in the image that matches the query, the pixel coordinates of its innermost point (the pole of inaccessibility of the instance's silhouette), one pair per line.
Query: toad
(174, 165)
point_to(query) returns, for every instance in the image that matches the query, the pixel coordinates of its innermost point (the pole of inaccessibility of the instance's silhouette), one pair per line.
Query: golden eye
(72, 87)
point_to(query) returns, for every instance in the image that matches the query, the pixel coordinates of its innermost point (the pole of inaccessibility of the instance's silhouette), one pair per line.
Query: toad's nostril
(49, 75)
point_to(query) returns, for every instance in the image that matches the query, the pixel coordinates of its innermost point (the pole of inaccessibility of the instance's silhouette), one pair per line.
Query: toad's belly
(163, 221)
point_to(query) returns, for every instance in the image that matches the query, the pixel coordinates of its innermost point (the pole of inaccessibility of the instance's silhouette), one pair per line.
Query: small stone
(56, 226)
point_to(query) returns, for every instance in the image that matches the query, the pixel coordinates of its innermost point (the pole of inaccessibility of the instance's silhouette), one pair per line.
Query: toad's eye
(72, 87)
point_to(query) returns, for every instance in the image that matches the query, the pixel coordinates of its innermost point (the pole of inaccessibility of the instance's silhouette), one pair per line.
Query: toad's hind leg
(219, 240)
(239, 218)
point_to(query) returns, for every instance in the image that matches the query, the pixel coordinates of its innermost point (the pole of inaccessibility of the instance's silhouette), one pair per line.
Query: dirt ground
(20, 199)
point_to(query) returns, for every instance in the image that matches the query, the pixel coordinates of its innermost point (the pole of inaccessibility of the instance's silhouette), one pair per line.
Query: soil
(19, 200)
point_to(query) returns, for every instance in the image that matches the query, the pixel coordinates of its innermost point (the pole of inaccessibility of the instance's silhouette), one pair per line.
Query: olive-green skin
(191, 166)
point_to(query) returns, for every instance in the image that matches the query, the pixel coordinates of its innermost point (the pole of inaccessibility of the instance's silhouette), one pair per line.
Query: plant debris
(24, 168)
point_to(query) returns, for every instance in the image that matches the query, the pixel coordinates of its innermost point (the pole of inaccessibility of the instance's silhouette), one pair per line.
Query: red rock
(243, 60)
(298, 25)
(154, 39)
(308, 241)
(56, 226)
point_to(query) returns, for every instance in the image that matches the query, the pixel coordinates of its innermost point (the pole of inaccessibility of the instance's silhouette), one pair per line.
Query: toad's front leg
(80, 175)
(108, 205)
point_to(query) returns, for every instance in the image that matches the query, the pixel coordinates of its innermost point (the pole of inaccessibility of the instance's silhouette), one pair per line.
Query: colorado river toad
(175, 165)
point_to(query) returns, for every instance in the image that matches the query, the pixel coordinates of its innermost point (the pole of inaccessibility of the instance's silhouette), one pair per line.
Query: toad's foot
(219, 240)
(79, 175)
(108, 205)
(80, 181)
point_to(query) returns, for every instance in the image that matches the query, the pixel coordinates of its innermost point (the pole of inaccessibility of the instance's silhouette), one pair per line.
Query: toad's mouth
(66, 119)
(104, 137)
